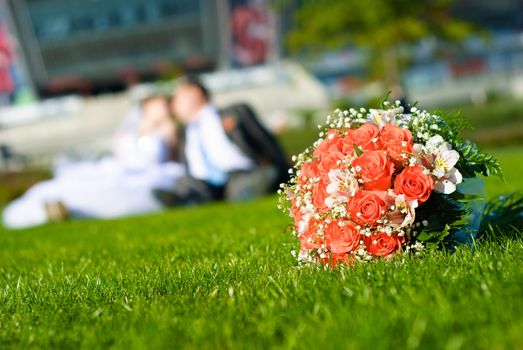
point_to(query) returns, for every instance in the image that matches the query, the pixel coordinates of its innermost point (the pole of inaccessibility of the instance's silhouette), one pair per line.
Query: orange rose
(382, 244)
(310, 239)
(328, 162)
(367, 207)
(375, 169)
(319, 194)
(347, 145)
(341, 239)
(330, 145)
(334, 260)
(365, 137)
(396, 141)
(414, 183)
(309, 170)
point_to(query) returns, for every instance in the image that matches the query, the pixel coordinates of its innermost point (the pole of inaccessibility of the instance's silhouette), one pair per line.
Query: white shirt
(209, 152)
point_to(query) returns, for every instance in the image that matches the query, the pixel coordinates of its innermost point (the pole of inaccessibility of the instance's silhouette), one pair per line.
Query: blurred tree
(380, 26)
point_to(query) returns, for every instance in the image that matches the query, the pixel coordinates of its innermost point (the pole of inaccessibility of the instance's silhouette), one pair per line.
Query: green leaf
(358, 150)
(473, 160)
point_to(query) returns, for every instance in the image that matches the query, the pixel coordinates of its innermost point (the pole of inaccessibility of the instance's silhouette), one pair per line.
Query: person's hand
(168, 132)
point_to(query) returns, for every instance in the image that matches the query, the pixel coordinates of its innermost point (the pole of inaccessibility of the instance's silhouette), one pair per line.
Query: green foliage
(503, 216)
(474, 161)
(375, 23)
(357, 150)
(445, 215)
(456, 125)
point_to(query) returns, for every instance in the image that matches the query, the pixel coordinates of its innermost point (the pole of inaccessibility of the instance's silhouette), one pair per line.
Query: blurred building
(506, 15)
(438, 72)
(476, 69)
(103, 45)
(96, 46)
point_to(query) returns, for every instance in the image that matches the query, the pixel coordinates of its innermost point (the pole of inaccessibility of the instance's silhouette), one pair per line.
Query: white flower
(447, 184)
(342, 186)
(380, 117)
(334, 201)
(438, 156)
(302, 227)
(303, 224)
(342, 182)
(444, 162)
(436, 143)
(403, 212)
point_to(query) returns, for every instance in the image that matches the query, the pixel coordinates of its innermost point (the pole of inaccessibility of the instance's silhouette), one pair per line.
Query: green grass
(498, 122)
(511, 160)
(494, 113)
(221, 276)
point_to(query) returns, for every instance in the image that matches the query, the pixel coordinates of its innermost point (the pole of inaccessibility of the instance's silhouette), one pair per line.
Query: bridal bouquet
(381, 182)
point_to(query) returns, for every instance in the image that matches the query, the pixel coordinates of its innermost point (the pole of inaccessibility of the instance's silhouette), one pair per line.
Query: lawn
(221, 276)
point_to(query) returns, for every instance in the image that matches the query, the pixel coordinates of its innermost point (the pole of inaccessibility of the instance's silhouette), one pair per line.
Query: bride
(118, 185)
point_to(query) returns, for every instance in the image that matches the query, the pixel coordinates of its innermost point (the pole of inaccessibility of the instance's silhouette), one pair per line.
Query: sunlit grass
(221, 276)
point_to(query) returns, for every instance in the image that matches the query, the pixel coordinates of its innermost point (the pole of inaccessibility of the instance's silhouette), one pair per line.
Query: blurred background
(71, 70)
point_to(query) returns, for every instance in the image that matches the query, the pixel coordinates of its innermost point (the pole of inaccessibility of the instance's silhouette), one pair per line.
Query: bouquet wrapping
(384, 181)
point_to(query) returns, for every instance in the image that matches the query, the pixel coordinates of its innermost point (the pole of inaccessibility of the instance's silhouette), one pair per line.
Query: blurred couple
(173, 151)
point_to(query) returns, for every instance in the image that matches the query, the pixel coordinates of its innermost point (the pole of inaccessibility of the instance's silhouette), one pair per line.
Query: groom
(210, 156)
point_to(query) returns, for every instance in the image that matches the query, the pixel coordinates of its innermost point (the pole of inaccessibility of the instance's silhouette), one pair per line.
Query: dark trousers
(241, 185)
(189, 191)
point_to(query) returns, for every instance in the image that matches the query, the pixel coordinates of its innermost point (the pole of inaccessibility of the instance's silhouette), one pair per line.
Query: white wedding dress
(114, 186)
